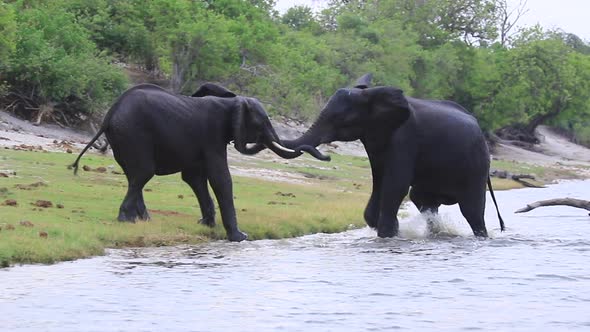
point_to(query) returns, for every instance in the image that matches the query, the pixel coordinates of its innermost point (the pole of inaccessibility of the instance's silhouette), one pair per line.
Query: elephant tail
(502, 228)
(103, 128)
(105, 123)
(75, 164)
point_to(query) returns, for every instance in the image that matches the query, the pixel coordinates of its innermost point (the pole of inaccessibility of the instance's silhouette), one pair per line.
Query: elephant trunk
(308, 142)
(273, 142)
(277, 146)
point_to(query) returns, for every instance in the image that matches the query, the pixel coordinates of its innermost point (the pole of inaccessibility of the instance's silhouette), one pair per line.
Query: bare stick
(578, 203)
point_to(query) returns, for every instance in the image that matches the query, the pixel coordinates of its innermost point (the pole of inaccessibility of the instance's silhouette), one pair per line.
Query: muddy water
(534, 277)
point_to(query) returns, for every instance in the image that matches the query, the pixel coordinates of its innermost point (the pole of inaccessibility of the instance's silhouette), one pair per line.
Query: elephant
(434, 147)
(155, 132)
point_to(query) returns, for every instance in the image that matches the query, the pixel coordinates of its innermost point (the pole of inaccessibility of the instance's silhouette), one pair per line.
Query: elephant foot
(209, 222)
(133, 217)
(145, 216)
(386, 233)
(481, 233)
(237, 236)
(125, 218)
(387, 229)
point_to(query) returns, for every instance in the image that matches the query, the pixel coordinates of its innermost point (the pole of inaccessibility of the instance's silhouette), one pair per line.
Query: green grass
(86, 224)
(542, 174)
(82, 219)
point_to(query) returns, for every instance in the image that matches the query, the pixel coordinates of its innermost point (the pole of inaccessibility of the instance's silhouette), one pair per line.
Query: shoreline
(49, 215)
(562, 159)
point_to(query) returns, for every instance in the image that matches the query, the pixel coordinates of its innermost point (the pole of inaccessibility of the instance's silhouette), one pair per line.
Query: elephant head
(356, 113)
(252, 129)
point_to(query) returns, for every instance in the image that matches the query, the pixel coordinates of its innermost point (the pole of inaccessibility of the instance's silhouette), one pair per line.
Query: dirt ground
(554, 149)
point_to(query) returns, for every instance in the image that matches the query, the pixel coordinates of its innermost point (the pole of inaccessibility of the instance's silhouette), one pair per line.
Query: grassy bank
(47, 214)
(59, 216)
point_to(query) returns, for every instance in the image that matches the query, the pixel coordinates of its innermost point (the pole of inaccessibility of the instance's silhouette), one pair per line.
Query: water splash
(430, 225)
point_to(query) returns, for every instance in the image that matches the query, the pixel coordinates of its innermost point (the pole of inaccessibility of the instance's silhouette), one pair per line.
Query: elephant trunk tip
(313, 152)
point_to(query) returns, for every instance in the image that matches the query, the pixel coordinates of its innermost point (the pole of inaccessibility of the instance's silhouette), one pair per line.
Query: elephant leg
(372, 210)
(473, 207)
(138, 168)
(196, 178)
(220, 178)
(133, 206)
(142, 211)
(394, 188)
(425, 203)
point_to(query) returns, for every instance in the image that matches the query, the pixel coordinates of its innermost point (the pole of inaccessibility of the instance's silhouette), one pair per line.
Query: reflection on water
(535, 276)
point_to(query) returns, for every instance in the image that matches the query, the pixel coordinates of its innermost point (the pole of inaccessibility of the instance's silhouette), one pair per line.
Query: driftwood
(578, 203)
(519, 178)
(516, 177)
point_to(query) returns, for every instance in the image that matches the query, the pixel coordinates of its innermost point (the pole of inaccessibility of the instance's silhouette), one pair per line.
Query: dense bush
(55, 65)
(61, 52)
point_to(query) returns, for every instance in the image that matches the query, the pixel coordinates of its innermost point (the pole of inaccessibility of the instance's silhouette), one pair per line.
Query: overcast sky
(570, 15)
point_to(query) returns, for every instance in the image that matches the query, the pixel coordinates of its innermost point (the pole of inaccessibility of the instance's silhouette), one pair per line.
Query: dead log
(516, 177)
(519, 178)
(578, 203)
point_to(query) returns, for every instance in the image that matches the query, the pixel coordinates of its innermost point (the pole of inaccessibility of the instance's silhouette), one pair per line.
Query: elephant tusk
(251, 145)
(280, 147)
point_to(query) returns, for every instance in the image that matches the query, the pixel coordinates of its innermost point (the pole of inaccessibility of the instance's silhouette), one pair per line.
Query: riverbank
(47, 214)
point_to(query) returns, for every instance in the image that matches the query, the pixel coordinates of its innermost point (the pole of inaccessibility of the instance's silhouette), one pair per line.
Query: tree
(575, 119)
(300, 18)
(542, 78)
(7, 32)
(440, 21)
(508, 18)
(576, 43)
(57, 67)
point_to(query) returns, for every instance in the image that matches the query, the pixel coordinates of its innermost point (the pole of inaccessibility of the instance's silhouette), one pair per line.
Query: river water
(533, 277)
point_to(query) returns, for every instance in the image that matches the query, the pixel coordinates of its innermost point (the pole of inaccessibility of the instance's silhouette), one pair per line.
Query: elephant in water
(154, 132)
(435, 147)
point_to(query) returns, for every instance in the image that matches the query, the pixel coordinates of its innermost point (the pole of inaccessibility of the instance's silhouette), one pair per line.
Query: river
(533, 277)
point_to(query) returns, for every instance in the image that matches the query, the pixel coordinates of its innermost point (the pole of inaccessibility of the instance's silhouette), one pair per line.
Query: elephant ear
(242, 120)
(239, 126)
(388, 105)
(364, 81)
(210, 89)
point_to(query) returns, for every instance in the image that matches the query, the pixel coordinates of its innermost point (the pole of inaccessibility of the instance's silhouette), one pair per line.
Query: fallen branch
(515, 177)
(519, 178)
(578, 203)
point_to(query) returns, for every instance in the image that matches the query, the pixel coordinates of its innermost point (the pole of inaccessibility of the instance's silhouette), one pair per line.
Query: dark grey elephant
(154, 132)
(433, 146)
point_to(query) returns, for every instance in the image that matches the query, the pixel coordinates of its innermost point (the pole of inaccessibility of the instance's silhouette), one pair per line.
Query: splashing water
(430, 225)
(533, 277)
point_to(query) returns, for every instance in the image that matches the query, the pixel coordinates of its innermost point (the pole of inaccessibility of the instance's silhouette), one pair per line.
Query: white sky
(570, 15)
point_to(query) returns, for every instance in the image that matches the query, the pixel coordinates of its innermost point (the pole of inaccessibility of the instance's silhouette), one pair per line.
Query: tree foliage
(62, 52)
(7, 32)
(54, 62)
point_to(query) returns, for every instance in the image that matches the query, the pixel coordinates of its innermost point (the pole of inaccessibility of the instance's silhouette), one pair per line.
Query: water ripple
(533, 277)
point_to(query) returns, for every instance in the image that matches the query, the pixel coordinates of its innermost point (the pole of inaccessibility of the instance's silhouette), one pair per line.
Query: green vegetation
(81, 220)
(59, 216)
(541, 173)
(66, 60)
(57, 58)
